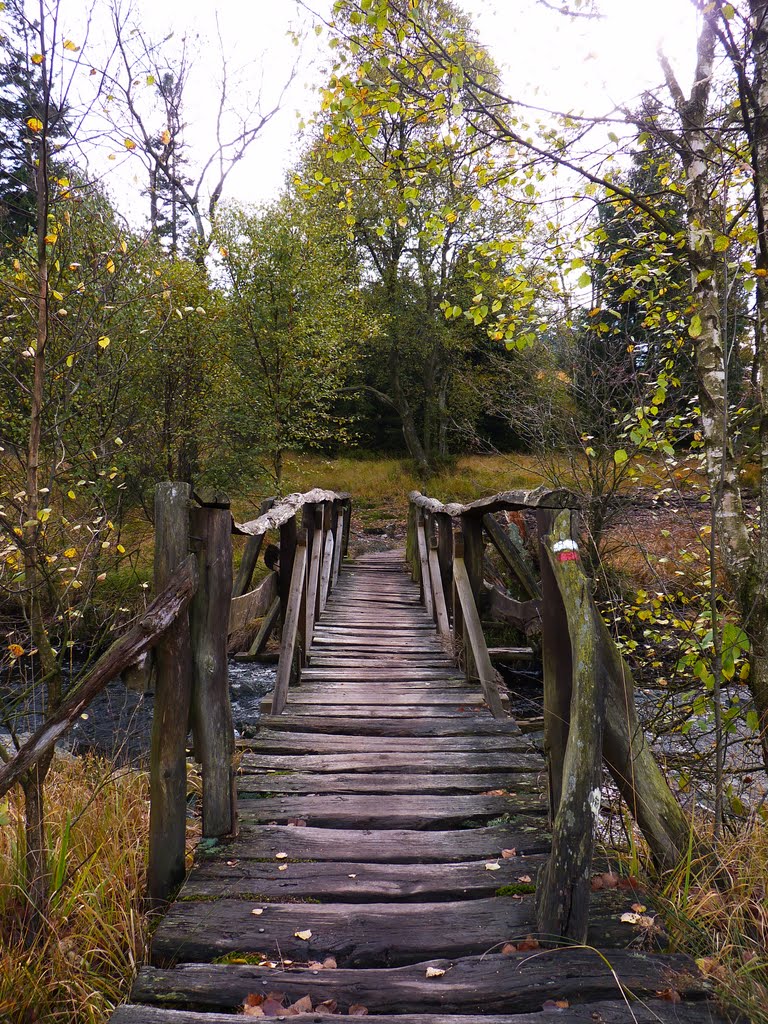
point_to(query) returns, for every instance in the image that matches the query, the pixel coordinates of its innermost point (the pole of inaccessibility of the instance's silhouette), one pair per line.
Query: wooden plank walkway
(388, 822)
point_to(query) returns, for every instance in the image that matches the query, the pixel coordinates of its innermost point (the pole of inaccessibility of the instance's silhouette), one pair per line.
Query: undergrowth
(717, 911)
(80, 968)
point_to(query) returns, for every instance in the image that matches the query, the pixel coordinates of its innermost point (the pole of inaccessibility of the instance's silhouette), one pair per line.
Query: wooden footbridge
(389, 842)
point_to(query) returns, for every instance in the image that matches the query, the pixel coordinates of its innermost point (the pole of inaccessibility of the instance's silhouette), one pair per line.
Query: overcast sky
(547, 60)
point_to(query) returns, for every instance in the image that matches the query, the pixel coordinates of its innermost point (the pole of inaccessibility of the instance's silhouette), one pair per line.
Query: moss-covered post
(563, 884)
(556, 663)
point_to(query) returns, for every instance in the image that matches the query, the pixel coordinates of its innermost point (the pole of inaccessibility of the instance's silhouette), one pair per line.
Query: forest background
(447, 270)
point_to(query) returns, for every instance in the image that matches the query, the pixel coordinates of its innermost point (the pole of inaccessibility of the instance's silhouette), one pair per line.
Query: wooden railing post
(327, 557)
(291, 626)
(426, 584)
(287, 555)
(170, 720)
(338, 543)
(563, 884)
(438, 594)
(213, 733)
(313, 572)
(557, 666)
(347, 526)
(445, 556)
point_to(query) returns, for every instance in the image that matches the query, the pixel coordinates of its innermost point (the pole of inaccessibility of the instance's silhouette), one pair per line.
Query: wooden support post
(557, 667)
(170, 720)
(441, 612)
(291, 626)
(338, 545)
(472, 547)
(444, 527)
(313, 574)
(250, 556)
(489, 678)
(325, 576)
(347, 525)
(500, 540)
(563, 884)
(412, 544)
(287, 555)
(212, 729)
(426, 585)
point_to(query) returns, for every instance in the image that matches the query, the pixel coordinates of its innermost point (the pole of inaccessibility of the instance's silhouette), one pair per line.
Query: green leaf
(620, 456)
(695, 327)
(721, 243)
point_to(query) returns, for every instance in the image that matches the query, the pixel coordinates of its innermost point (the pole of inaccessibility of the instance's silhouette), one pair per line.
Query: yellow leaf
(165, 137)
(69, 45)
(103, 341)
(129, 144)
(70, 552)
(34, 124)
(51, 239)
(281, 856)
(282, 867)
(110, 266)
(37, 58)
(305, 935)
(123, 245)
(76, 584)
(111, 157)
(70, 361)
(121, 549)
(16, 650)
(71, 495)
(434, 972)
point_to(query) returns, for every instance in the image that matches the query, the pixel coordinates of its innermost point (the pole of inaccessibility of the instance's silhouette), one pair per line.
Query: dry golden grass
(83, 964)
(718, 912)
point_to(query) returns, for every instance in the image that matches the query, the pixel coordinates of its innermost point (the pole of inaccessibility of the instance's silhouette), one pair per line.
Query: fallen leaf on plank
(434, 972)
(305, 935)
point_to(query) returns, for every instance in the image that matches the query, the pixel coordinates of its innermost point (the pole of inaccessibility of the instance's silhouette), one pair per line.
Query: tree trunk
(36, 867)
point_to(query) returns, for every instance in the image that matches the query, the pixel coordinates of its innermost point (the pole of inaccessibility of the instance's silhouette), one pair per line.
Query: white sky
(547, 60)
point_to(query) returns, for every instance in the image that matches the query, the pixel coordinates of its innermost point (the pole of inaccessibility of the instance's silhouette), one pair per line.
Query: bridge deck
(388, 822)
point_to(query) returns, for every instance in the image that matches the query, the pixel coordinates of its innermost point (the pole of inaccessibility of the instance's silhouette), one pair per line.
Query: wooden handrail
(504, 501)
(141, 637)
(284, 510)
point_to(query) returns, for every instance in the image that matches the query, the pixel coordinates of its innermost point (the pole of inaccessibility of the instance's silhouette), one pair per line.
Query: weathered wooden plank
(265, 631)
(313, 573)
(385, 783)
(541, 497)
(313, 743)
(389, 698)
(394, 761)
(398, 846)
(470, 725)
(250, 556)
(396, 811)
(358, 935)
(353, 882)
(487, 984)
(406, 711)
(614, 1011)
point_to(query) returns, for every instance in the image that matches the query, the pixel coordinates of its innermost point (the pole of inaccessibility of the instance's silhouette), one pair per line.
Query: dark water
(118, 721)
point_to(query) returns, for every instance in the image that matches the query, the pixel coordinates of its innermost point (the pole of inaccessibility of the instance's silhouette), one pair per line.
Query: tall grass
(718, 912)
(96, 933)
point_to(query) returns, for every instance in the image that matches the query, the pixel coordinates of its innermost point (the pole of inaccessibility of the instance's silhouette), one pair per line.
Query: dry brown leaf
(508, 948)
(253, 1011)
(272, 1006)
(630, 882)
(282, 867)
(303, 1005)
(253, 999)
(554, 1005)
(327, 1006)
(434, 972)
(257, 911)
(297, 823)
(527, 944)
(610, 880)
(330, 963)
(314, 965)
(671, 995)
(357, 1010)
(639, 908)
(506, 854)
(306, 935)
(524, 878)
(495, 792)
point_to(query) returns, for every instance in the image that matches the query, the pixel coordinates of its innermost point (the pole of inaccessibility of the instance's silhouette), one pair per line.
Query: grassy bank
(82, 965)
